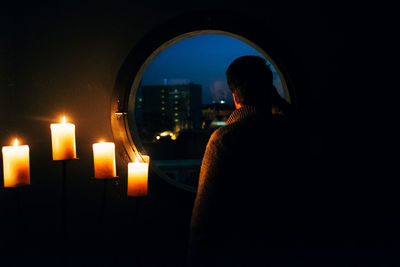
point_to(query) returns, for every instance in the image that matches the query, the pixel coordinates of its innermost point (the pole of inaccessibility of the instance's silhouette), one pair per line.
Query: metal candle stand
(16, 191)
(64, 194)
(64, 205)
(105, 181)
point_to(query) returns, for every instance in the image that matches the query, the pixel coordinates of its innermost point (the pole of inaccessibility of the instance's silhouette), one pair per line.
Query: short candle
(138, 176)
(63, 140)
(16, 165)
(104, 160)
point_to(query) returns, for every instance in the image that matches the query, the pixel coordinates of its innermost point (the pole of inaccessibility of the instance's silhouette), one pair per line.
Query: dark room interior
(81, 59)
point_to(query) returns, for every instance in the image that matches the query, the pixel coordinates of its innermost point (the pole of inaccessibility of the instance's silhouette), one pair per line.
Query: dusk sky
(201, 60)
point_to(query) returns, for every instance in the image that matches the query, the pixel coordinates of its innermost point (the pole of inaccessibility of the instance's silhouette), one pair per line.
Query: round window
(179, 96)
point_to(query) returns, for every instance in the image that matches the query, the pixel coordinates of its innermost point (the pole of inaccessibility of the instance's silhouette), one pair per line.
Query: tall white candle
(16, 165)
(104, 160)
(63, 140)
(138, 176)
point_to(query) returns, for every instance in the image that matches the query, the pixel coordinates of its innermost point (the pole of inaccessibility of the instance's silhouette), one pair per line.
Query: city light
(166, 134)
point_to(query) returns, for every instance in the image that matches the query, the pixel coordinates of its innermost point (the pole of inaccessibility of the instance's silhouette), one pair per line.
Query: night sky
(202, 59)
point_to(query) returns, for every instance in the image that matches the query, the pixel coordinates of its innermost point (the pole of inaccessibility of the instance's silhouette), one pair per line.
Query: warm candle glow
(104, 160)
(138, 176)
(16, 165)
(63, 140)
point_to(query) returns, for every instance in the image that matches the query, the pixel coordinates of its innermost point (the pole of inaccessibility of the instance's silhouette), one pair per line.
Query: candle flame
(64, 120)
(16, 142)
(101, 141)
(136, 160)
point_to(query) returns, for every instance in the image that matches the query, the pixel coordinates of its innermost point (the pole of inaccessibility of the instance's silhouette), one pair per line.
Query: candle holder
(64, 194)
(16, 191)
(16, 187)
(137, 206)
(105, 181)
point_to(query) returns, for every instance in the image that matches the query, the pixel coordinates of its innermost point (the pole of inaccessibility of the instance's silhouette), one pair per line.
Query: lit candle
(138, 176)
(63, 140)
(104, 160)
(16, 165)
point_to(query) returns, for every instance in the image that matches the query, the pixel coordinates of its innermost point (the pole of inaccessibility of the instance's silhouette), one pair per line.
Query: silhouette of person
(243, 207)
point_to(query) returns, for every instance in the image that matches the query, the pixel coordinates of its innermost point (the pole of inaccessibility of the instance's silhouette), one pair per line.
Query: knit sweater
(250, 199)
(238, 162)
(239, 159)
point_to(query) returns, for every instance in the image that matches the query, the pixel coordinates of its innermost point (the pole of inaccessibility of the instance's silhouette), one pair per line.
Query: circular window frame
(131, 72)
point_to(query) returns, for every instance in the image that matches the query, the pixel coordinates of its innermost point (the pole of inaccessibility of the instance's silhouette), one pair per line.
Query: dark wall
(63, 57)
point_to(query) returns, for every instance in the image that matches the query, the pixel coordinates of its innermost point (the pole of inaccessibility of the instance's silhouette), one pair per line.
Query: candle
(16, 165)
(104, 160)
(63, 140)
(138, 176)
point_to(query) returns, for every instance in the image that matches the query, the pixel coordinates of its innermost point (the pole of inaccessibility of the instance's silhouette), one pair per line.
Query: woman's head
(250, 81)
